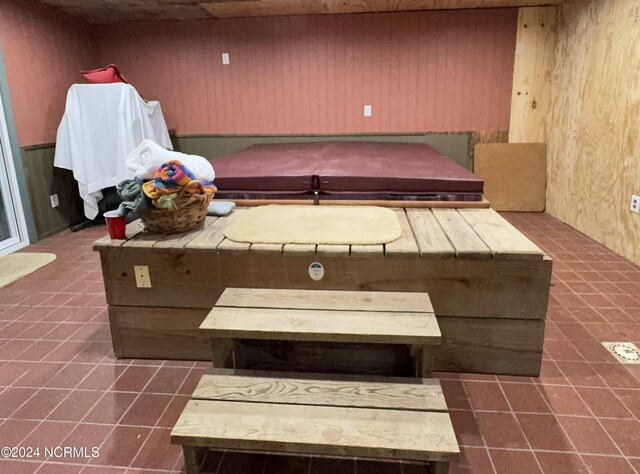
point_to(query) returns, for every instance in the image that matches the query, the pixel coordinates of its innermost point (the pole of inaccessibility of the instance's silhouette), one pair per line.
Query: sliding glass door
(13, 232)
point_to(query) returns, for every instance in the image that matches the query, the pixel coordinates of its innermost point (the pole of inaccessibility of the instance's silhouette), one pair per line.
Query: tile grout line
(466, 392)
(524, 435)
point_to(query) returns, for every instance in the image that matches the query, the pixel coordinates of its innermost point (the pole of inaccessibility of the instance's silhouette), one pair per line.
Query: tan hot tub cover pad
(282, 224)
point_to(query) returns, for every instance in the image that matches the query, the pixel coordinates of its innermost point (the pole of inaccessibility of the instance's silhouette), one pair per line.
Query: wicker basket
(188, 212)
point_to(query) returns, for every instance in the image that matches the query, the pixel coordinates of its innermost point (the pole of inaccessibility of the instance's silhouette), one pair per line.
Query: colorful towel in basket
(171, 178)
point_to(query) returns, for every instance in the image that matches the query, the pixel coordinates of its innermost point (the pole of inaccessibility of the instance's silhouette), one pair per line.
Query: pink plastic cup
(116, 225)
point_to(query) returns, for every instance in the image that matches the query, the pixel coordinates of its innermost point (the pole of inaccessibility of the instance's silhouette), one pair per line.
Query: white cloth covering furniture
(101, 125)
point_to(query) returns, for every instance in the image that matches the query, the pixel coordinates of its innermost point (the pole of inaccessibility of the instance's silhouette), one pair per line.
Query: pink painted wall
(43, 52)
(421, 71)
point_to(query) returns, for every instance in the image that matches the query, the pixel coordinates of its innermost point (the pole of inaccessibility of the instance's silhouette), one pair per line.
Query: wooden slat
(504, 240)
(231, 246)
(457, 287)
(325, 250)
(466, 243)
(367, 250)
(426, 397)
(299, 249)
(213, 235)
(317, 430)
(320, 325)
(144, 240)
(507, 346)
(266, 249)
(158, 333)
(176, 242)
(327, 299)
(405, 245)
(430, 237)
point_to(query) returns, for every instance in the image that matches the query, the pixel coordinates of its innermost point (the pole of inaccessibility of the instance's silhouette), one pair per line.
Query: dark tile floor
(61, 386)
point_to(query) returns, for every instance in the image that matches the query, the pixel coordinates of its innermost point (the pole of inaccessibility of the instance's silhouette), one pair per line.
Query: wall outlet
(54, 200)
(143, 279)
(635, 204)
(367, 111)
(225, 58)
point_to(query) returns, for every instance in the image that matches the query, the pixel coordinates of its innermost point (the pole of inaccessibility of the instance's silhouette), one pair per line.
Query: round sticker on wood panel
(316, 271)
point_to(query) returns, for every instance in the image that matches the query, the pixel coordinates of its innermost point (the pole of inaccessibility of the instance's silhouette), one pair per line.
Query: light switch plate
(143, 279)
(367, 111)
(225, 58)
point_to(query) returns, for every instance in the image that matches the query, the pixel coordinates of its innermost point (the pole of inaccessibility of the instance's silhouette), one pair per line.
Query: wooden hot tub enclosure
(488, 283)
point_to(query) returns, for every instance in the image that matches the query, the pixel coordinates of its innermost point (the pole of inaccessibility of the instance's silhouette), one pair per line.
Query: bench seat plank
(426, 396)
(376, 327)
(326, 299)
(301, 429)
(505, 241)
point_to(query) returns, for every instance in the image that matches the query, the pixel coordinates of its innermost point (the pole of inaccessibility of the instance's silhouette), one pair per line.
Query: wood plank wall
(43, 180)
(421, 71)
(594, 139)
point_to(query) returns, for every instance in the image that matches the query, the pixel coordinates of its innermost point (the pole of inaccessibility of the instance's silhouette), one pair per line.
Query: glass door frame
(11, 195)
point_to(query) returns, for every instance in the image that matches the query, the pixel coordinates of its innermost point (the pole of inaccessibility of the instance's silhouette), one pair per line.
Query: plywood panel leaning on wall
(533, 67)
(514, 175)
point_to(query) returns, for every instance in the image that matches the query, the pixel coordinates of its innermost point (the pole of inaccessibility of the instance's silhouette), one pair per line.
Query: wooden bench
(375, 418)
(373, 317)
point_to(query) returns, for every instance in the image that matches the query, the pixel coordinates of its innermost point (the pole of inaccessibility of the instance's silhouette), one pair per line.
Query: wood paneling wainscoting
(43, 180)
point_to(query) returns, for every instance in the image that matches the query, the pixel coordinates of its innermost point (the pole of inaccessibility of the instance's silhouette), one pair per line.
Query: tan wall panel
(514, 175)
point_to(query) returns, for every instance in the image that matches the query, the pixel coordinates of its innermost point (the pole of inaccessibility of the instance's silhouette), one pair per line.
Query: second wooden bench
(372, 317)
(374, 418)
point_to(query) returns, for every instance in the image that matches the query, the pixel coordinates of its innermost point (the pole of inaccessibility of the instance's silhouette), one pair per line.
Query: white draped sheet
(101, 125)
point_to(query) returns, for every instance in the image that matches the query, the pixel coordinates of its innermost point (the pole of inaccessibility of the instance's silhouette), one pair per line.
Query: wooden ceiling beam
(247, 8)
(113, 11)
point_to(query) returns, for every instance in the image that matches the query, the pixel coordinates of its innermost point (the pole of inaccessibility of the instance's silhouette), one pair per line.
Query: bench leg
(222, 353)
(193, 458)
(423, 361)
(440, 467)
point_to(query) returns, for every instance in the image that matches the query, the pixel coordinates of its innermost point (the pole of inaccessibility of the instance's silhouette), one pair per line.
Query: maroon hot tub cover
(344, 170)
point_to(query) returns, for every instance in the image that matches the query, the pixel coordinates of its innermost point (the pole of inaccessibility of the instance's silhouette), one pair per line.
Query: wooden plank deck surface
(437, 233)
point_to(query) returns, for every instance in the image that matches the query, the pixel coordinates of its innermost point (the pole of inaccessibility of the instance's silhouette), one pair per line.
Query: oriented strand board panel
(594, 144)
(514, 175)
(533, 67)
